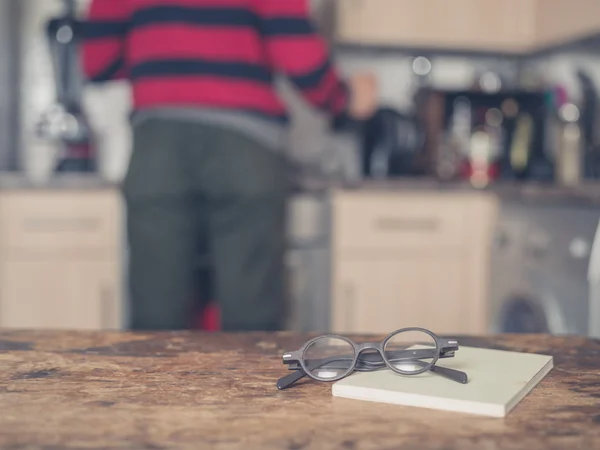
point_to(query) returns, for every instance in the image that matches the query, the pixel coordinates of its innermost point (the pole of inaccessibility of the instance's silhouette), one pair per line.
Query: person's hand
(363, 96)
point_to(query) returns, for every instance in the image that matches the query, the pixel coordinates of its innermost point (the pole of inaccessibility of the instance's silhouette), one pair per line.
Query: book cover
(498, 381)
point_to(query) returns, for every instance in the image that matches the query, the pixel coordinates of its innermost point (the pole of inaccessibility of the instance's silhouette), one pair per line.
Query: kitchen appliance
(539, 277)
(65, 123)
(590, 122)
(594, 281)
(569, 149)
(9, 82)
(390, 144)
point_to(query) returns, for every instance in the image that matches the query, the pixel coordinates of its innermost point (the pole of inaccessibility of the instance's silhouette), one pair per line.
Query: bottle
(569, 151)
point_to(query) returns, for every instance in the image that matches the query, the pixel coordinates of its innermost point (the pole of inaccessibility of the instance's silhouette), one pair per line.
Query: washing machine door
(556, 259)
(522, 314)
(550, 304)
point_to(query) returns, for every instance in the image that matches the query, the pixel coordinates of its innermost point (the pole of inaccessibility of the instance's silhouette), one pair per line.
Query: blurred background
(469, 203)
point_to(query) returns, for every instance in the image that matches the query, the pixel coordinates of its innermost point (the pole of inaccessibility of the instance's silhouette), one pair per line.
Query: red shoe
(210, 320)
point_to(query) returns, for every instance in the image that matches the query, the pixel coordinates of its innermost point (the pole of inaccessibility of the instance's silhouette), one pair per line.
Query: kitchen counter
(183, 390)
(586, 194)
(18, 181)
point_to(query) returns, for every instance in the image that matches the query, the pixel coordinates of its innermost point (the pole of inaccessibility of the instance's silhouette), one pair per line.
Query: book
(498, 381)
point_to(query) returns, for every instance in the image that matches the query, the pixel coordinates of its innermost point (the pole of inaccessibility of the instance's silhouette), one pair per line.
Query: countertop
(18, 181)
(586, 194)
(191, 390)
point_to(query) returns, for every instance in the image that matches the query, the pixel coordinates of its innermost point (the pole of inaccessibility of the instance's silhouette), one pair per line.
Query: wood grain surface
(193, 390)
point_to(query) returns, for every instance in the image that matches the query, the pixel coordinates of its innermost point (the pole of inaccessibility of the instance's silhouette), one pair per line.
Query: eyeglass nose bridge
(369, 346)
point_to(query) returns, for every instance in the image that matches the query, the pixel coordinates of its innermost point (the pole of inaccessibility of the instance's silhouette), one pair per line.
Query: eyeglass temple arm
(288, 380)
(446, 372)
(396, 355)
(451, 374)
(371, 359)
(299, 373)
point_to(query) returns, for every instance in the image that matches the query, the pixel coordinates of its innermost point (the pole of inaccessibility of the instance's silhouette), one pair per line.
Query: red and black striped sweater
(211, 55)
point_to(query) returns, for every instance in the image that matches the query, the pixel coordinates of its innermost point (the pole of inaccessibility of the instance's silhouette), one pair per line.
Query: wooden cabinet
(60, 259)
(68, 293)
(463, 24)
(515, 26)
(559, 21)
(385, 293)
(411, 259)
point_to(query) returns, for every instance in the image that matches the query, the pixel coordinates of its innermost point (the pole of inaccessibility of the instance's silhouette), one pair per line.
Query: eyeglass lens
(411, 351)
(328, 358)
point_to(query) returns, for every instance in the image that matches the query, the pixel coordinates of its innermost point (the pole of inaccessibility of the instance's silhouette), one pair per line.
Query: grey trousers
(187, 183)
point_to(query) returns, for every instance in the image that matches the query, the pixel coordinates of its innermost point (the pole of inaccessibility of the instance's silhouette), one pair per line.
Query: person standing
(209, 134)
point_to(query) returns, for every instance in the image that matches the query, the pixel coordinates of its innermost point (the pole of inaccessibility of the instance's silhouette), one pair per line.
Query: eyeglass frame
(444, 348)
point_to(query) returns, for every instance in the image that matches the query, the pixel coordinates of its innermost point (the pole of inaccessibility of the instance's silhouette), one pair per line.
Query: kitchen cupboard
(72, 293)
(403, 259)
(559, 21)
(463, 24)
(513, 26)
(61, 259)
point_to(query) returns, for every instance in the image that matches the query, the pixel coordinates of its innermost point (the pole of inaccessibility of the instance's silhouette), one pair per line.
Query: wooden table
(197, 391)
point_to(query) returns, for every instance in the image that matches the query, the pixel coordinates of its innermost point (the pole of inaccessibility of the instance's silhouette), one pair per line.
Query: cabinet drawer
(381, 221)
(59, 220)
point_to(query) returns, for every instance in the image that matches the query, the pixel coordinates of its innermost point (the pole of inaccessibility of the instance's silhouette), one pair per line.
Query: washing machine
(539, 271)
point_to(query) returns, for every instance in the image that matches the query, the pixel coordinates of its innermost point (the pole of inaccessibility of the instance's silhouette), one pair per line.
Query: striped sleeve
(296, 49)
(103, 34)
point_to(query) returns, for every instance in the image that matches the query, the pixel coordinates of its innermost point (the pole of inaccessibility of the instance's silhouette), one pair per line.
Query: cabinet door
(50, 293)
(462, 24)
(379, 295)
(561, 21)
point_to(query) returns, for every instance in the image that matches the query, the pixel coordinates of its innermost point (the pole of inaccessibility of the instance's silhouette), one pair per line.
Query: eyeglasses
(407, 351)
